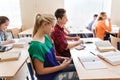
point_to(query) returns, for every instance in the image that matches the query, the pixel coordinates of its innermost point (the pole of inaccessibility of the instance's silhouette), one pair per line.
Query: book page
(111, 57)
(92, 62)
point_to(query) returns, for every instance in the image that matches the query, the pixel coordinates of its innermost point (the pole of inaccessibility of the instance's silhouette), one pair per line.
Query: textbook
(104, 46)
(91, 62)
(111, 57)
(8, 56)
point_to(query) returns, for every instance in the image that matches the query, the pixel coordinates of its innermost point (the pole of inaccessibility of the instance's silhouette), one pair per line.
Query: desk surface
(10, 68)
(110, 73)
(80, 31)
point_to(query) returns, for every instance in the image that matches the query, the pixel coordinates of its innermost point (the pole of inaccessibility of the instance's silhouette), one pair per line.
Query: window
(80, 12)
(11, 9)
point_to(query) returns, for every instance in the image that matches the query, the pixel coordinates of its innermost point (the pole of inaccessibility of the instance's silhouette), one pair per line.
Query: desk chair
(114, 40)
(23, 28)
(15, 32)
(31, 70)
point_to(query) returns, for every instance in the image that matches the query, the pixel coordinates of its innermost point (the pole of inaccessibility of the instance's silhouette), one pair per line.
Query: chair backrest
(15, 32)
(23, 28)
(31, 69)
(114, 40)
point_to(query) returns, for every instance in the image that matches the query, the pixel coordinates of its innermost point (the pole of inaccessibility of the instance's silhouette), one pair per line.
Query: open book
(112, 57)
(92, 62)
(104, 46)
(8, 56)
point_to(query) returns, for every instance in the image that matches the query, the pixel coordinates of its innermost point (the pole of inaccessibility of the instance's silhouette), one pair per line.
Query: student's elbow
(40, 72)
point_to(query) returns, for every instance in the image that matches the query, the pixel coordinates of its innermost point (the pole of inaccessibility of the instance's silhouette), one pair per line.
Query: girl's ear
(44, 23)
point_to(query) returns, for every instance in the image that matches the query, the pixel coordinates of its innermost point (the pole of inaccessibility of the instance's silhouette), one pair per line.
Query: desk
(26, 32)
(115, 30)
(81, 31)
(15, 70)
(110, 73)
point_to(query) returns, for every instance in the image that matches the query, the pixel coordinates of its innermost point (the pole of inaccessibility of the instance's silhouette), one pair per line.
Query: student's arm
(40, 69)
(76, 43)
(118, 35)
(109, 27)
(8, 42)
(72, 38)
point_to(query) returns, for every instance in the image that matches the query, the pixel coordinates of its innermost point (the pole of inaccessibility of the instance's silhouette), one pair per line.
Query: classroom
(59, 40)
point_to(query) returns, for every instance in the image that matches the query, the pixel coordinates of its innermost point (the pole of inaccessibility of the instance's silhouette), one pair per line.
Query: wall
(115, 12)
(29, 8)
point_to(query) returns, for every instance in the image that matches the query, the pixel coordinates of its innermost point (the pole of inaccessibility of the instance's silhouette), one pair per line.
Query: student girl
(4, 22)
(101, 27)
(42, 51)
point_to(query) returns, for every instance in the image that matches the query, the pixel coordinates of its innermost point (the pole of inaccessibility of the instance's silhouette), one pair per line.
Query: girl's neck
(39, 36)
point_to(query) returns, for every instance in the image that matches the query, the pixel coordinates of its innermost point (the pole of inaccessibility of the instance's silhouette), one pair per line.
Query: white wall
(115, 12)
(29, 8)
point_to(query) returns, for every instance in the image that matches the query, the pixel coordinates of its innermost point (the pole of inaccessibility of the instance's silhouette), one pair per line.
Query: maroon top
(60, 41)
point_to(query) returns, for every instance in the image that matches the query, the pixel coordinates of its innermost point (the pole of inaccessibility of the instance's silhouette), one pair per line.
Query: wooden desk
(110, 73)
(15, 70)
(115, 30)
(80, 31)
(26, 32)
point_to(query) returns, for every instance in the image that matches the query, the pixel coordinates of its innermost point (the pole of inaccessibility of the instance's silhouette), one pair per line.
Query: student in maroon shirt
(59, 36)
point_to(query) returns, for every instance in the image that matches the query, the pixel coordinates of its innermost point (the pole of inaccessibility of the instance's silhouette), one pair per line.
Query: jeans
(70, 68)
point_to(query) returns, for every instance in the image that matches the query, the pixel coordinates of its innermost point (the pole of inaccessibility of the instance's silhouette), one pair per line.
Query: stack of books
(104, 46)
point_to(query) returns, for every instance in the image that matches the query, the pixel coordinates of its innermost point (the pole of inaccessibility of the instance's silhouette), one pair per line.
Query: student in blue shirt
(91, 24)
(42, 52)
(4, 22)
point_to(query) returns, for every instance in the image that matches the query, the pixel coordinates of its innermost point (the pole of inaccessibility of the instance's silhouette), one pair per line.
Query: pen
(93, 53)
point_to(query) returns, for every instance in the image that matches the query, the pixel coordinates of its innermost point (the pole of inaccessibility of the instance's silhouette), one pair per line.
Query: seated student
(42, 52)
(59, 36)
(101, 27)
(4, 22)
(91, 24)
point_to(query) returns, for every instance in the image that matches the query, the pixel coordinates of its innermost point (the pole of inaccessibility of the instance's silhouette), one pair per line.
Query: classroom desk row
(16, 69)
(82, 31)
(110, 73)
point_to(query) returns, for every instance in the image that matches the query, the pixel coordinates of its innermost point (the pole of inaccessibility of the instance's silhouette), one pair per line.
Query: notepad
(104, 46)
(10, 56)
(92, 62)
(111, 57)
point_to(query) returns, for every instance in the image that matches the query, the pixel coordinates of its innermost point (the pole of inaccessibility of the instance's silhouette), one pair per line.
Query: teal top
(45, 53)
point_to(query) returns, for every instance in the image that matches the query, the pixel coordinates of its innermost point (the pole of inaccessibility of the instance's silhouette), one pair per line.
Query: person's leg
(71, 68)
(64, 74)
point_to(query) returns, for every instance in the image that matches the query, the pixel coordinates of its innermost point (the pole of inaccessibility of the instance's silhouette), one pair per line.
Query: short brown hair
(59, 13)
(3, 19)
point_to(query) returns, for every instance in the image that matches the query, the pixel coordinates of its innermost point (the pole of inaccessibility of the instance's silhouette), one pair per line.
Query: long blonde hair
(49, 18)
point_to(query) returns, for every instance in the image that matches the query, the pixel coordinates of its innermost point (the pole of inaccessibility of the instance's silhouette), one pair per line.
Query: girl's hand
(65, 63)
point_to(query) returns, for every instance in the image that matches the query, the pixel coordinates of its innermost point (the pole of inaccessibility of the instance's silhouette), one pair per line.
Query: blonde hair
(40, 19)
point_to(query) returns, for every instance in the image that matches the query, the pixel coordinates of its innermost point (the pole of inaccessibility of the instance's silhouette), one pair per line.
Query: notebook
(91, 62)
(111, 57)
(9, 56)
(104, 46)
